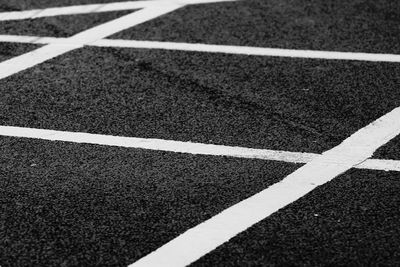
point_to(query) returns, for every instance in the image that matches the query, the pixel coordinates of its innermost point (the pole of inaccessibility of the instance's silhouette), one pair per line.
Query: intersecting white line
(35, 57)
(183, 147)
(72, 10)
(208, 48)
(205, 237)
(198, 241)
(94, 8)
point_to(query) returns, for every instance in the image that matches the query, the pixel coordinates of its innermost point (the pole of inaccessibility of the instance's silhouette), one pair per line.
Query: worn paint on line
(96, 8)
(248, 50)
(207, 48)
(207, 236)
(72, 10)
(184, 147)
(40, 55)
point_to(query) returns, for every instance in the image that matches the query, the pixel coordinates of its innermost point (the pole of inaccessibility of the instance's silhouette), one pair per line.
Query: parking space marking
(208, 48)
(354, 152)
(72, 10)
(94, 8)
(183, 147)
(40, 55)
(248, 50)
(207, 236)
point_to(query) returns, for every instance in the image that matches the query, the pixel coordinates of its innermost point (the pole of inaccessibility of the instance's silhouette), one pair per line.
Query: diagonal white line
(226, 49)
(122, 23)
(353, 152)
(73, 10)
(183, 147)
(95, 8)
(22, 62)
(205, 237)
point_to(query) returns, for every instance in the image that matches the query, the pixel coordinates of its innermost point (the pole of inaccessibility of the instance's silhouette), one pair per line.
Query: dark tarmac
(299, 105)
(83, 205)
(352, 221)
(66, 204)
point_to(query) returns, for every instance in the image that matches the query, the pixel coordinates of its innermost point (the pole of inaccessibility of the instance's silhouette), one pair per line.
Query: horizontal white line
(207, 236)
(72, 10)
(380, 165)
(247, 50)
(31, 39)
(122, 23)
(94, 8)
(42, 54)
(191, 2)
(226, 49)
(183, 147)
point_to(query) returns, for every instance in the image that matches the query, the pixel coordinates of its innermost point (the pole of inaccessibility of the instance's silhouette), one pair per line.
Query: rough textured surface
(352, 221)
(288, 104)
(59, 26)
(65, 204)
(81, 205)
(389, 151)
(10, 50)
(7, 5)
(358, 25)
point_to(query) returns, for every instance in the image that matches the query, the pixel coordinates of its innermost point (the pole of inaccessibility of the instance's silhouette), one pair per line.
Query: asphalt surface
(6, 5)
(351, 221)
(64, 204)
(59, 26)
(357, 25)
(288, 104)
(82, 205)
(10, 50)
(390, 150)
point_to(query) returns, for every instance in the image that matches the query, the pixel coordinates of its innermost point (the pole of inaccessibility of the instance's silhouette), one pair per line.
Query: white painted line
(72, 10)
(247, 50)
(205, 237)
(31, 39)
(35, 57)
(226, 49)
(194, 2)
(96, 8)
(156, 144)
(122, 23)
(183, 147)
(380, 165)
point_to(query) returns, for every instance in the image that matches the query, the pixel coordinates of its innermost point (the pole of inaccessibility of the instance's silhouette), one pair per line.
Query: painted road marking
(72, 10)
(352, 153)
(40, 55)
(94, 8)
(225, 49)
(184, 147)
(207, 236)
(248, 50)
